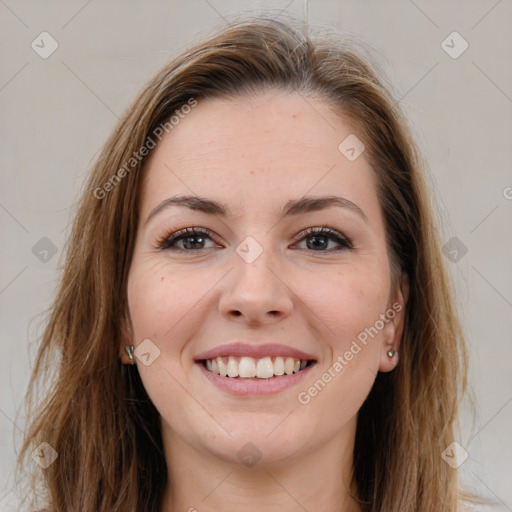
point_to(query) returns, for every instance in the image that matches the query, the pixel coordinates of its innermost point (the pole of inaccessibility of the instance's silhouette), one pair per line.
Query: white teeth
(232, 367)
(278, 366)
(265, 368)
(248, 367)
(289, 365)
(223, 371)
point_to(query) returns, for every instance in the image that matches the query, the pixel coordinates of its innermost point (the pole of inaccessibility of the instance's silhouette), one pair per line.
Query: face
(260, 281)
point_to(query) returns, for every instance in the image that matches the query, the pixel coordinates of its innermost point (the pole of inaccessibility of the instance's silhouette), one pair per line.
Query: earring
(129, 351)
(391, 352)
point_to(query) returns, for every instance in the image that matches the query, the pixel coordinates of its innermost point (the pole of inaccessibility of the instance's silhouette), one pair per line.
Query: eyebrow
(305, 204)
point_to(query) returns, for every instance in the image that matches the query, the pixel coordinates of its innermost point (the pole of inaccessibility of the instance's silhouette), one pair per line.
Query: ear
(125, 339)
(394, 327)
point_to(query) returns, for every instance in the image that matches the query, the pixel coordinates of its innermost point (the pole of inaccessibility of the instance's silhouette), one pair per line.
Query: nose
(256, 293)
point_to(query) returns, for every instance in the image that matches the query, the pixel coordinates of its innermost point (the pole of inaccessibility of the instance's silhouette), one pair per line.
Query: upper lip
(240, 349)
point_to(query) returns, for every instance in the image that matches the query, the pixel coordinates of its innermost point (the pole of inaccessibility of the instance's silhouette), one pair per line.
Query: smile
(255, 368)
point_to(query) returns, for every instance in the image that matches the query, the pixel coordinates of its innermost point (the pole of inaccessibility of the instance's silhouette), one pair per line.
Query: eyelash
(165, 243)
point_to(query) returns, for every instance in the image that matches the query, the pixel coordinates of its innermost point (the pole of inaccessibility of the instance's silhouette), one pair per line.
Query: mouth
(249, 368)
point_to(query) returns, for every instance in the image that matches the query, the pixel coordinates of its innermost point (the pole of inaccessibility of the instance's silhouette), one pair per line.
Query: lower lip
(259, 387)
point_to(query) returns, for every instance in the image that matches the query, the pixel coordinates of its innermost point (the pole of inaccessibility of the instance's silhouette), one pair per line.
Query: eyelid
(175, 236)
(325, 230)
(172, 237)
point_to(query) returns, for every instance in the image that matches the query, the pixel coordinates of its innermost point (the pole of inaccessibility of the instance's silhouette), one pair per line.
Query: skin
(254, 154)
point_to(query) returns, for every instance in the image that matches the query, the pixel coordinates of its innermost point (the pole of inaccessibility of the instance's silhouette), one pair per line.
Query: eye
(193, 239)
(318, 239)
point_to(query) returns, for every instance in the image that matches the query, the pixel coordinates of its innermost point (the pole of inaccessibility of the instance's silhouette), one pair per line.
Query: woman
(254, 311)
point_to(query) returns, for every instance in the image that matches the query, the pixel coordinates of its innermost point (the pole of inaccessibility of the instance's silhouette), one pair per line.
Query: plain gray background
(57, 112)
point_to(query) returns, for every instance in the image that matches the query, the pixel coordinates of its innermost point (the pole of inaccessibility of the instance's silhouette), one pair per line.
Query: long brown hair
(94, 411)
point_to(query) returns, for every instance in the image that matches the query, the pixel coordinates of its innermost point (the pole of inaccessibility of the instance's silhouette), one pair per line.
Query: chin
(257, 444)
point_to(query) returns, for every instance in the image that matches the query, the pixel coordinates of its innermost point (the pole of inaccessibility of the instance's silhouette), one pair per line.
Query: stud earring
(391, 352)
(129, 351)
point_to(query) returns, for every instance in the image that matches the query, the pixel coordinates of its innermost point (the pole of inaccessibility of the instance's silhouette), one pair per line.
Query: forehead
(256, 151)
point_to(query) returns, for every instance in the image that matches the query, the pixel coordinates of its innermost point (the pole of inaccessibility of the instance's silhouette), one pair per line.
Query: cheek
(347, 301)
(159, 303)
(349, 305)
(158, 299)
